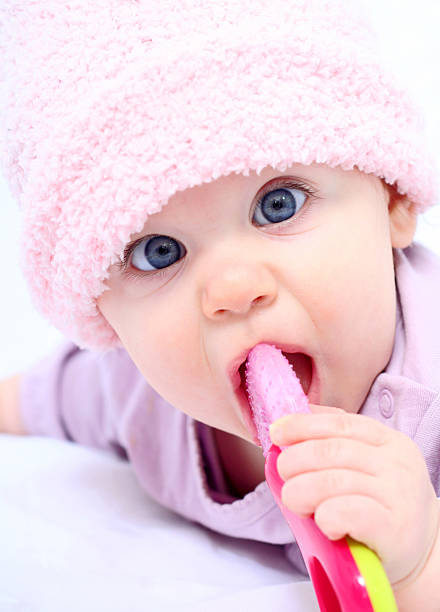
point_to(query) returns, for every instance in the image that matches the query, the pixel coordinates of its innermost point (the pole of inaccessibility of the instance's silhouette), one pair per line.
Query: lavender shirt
(103, 401)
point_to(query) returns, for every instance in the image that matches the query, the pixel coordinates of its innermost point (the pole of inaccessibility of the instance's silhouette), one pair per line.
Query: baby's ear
(403, 219)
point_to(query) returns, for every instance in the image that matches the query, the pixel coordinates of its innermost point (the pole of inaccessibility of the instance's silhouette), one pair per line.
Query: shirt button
(386, 404)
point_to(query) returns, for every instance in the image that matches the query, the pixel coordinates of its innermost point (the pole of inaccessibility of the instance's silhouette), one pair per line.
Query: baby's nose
(237, 288)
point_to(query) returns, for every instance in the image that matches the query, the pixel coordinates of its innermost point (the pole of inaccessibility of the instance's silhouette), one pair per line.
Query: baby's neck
(243, 462)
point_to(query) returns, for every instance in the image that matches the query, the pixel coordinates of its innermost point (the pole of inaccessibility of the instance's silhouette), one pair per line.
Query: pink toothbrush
(346, 575)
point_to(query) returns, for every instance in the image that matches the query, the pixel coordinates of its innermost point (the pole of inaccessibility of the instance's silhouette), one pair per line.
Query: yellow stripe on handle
(376, 581)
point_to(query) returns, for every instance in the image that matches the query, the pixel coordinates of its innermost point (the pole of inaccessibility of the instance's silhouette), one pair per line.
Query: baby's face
(301, 259)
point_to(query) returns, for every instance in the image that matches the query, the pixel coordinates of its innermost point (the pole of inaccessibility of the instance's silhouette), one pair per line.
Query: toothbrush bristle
(273, 389)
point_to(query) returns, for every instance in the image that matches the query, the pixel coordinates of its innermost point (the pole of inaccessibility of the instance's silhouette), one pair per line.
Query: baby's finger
(313, 455)
(372, 523)
(294, 428)
(361, 517)
(305, 492)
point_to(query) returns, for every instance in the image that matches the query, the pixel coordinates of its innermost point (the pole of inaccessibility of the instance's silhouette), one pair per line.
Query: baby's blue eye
(156, 252)
(279, 205)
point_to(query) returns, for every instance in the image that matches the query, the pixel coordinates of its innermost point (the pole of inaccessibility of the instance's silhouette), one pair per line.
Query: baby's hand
(10, 419)
(363, 479)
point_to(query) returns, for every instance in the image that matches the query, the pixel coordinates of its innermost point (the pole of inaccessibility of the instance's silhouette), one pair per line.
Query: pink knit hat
(112, 106)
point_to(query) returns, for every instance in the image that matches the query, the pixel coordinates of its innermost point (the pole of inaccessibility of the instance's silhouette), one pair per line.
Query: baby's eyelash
(286, 183)
(122, 264)
(139, 275)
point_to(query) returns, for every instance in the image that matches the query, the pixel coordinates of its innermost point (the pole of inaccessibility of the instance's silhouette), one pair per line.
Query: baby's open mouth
(301, 363)
(304, 368)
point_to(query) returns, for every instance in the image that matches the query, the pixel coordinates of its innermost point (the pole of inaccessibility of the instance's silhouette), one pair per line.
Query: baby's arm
(73, 394)
(10, 419)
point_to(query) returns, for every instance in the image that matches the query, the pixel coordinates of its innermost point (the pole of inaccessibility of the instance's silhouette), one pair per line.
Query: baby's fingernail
(273, 429)
(276, 428)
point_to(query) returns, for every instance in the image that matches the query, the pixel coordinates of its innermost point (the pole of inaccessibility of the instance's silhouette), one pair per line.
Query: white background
(409, 33)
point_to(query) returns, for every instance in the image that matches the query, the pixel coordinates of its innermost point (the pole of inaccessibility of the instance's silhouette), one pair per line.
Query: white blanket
(78, 533)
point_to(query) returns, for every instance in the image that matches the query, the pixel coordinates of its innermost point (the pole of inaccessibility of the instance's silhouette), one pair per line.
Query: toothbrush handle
(338, 583)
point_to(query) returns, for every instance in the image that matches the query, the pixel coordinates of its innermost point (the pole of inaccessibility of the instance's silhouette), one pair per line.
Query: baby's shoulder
(418, 273)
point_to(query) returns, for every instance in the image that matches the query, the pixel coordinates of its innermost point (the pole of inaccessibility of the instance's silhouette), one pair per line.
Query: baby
(200, 177)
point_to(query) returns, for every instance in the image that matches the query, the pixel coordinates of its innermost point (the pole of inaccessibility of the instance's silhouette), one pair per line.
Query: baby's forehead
(320, 175)
(244, 188)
